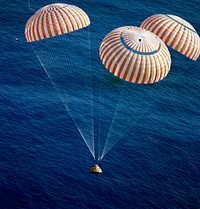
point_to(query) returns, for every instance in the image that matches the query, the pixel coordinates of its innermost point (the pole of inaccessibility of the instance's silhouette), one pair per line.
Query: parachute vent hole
(139, 39)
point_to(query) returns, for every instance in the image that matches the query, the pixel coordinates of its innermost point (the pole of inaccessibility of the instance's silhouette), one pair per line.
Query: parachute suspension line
(64, 56)
(73, 68)
(141, 115)
(115, 112)
(100, 102)
(177, 115)
(91, 93)
(29, 6)
(61, 98)
(109, 146)
(99, 123)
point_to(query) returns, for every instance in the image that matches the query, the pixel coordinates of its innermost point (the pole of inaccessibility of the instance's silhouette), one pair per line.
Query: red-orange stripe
(191, 46)
(54, 24)
(61, 11)
(43, 31)
(75, 18)
(185, 43)
(156, 23)
(156, 69)
(70, 19)
(140, 70)
(79, 17)
(150, 21)
(32, 29)
(176, 37)
(117, 62)
(62, 30)
(106, 50)
(37, 26)
(111, 61)
(161, 62)
(128, 67)
(151, 71)
(166, 30)
(145, 71)
(48, 26)
(123, 63)
(108, 55)
(180, 40)
(170, 34)
(29, 29)
(134, 68)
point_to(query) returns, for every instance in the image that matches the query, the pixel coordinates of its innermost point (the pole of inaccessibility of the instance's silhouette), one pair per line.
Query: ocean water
(44, 161)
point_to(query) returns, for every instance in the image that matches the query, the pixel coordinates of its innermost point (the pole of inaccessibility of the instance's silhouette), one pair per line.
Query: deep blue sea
(150, 134)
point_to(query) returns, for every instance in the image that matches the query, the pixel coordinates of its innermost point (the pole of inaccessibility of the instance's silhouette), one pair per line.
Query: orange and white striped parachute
(55, 19)
(135, 55)
(175, 32)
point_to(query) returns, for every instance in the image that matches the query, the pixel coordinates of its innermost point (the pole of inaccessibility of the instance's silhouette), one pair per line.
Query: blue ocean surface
(52, 127)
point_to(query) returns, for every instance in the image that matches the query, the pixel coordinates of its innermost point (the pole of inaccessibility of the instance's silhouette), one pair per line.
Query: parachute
(49, 32)
(135, 55)
(175, 32)
(55, 19)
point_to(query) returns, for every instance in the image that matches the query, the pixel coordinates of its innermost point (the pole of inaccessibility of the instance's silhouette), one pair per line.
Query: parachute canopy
(175, 32)
(55, 19)
(135, 55)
